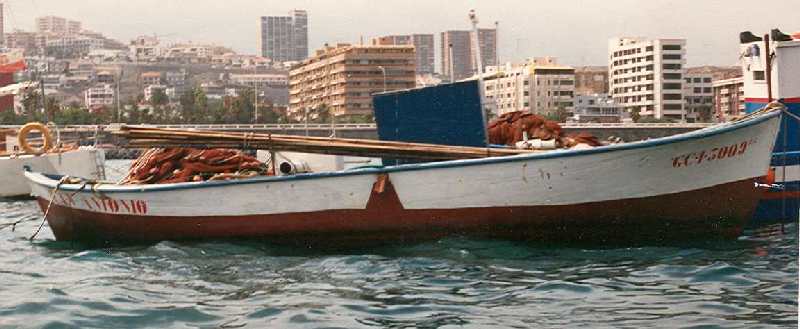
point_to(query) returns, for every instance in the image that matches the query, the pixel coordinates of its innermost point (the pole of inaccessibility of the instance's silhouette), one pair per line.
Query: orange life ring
(46, 138)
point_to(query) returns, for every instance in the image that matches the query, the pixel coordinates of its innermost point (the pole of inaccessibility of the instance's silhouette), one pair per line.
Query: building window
(671, 86)
(673, 106)
(706, 80)
(672, 97)
(671, 66)
(671, 56)
(672, 76)
(671, 47)
(706, 90)
(649, 48)
(758, 75)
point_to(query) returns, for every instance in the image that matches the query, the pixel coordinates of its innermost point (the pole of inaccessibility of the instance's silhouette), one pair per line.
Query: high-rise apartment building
(698, 96)
(343, 78)
(590, 80)
(728, 97)
(457, 45)
(646, 76)
(284, 38)
(540, 86)
(57, 25)
(2, 23)
(423, 44)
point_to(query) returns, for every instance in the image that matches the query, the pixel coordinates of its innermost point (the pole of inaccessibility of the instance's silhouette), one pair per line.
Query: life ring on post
(47, 140)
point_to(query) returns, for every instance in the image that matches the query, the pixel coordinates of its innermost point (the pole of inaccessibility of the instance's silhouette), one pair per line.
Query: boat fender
(537, 144)
(294, 167)
(770, 178)
(46, 138)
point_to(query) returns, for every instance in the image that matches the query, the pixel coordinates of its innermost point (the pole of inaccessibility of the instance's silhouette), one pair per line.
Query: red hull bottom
(716, 212)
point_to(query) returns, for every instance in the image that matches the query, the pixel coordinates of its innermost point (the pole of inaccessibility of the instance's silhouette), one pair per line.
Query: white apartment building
(646, 76)
(263, 80)
(539, 86)
(699, 96)
(176, 78)
(57, 25)
(597, 108)
(101, 95)
(151, 89)
(145, 48)
(728, 97)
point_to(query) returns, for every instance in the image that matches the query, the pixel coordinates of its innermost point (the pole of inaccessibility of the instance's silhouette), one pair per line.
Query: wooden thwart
(146, 137)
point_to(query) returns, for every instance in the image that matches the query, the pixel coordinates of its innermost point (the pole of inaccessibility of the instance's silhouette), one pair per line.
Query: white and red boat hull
(695, 184)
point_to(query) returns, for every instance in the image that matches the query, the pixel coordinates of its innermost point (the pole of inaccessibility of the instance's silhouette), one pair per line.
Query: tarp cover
(445, 114)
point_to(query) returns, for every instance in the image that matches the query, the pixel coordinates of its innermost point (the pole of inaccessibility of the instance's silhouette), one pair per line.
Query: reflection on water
(448, 283)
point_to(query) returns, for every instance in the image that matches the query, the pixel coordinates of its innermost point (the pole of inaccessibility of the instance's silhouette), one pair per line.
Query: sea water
(751, 282)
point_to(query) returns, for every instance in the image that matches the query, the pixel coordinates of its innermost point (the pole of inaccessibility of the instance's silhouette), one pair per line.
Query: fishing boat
(83, 161)
(770, 70)
(692, 185)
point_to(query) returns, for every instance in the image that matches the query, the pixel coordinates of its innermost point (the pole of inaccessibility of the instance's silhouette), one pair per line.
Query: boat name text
(714, 154)
(102, 204)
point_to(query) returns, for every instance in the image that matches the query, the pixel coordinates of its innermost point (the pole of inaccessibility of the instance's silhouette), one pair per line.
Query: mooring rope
(47, 211)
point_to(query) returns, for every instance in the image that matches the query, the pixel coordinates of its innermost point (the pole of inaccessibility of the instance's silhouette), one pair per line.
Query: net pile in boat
(181, 164)
(511, 127)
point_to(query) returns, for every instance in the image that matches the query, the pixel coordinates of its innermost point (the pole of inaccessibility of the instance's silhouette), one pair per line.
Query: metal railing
(361, 126)
(288, 126)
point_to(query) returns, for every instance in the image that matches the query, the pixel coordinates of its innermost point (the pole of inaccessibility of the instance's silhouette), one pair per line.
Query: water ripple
(750, 283)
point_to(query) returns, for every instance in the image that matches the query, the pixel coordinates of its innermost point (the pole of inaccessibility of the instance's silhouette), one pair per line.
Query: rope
(247, 137)
(783, 200)
(47, 211)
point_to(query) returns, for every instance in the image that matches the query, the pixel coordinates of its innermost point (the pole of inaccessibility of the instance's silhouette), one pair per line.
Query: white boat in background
(86, 161)
(654, 190)
(771, 72)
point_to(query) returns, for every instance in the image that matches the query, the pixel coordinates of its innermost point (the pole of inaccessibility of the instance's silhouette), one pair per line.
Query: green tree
(9, 117)
(635, 116)
(159, 97)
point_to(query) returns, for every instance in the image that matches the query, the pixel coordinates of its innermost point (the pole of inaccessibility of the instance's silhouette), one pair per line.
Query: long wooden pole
(142, 137)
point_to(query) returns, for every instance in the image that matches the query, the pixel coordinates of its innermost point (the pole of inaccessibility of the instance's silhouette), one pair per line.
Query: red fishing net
(174, 165)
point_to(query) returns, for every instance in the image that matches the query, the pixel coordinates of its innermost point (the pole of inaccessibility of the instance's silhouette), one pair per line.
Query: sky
(575, 31)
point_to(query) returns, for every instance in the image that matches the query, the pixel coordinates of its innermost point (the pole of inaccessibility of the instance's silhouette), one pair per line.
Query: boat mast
(768, 68)
(477, 55)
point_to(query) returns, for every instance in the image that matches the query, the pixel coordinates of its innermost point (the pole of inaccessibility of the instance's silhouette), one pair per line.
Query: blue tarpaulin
(447, 114)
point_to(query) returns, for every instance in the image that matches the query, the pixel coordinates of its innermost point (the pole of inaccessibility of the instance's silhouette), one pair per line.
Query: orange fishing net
(510, 127)
(175, 165)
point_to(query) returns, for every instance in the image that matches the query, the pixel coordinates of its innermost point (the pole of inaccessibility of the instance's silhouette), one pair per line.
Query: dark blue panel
(790, 127)
(447, 114)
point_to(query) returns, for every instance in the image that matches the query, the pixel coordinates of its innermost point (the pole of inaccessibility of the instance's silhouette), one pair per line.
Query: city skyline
(526, 29)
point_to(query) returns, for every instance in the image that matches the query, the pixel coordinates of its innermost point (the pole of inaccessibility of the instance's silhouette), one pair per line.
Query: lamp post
(255, 94)
(384, 77)
(306, 119)
(119, 79)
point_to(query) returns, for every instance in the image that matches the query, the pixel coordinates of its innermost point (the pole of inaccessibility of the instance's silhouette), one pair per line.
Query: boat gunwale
(52, 180)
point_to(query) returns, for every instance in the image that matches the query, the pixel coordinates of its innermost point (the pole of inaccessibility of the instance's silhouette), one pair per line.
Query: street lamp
(384, 77)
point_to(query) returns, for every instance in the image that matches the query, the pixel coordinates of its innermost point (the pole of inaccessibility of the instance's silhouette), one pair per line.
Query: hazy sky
(575, 31)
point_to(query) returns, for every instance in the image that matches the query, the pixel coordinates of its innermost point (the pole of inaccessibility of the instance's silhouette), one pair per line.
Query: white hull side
(579, 177)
